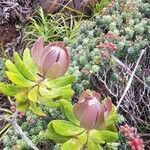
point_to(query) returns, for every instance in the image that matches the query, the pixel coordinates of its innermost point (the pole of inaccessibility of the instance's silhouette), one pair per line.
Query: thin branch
(130, 80)
(145, 134)
(115, 95)
(128, 70)
(13, 122)
(5, 110)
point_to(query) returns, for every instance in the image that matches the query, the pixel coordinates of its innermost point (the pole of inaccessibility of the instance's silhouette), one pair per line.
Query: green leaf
(52, 135)
(65, 128)
(36, 109)
(67, 109)
(72, 144)
(59, 82)
(23, 107)
(33, 94)
(96, 137)
(11, 67)
(112, 128)
(21, 97)
(82, 138)
(28, 61)
(19, 80)
(66, 91)
(23, 69)
(93, 146)
(112, 119)
(63, 92)
(9, 89)
(47, 94)
(103, 136)
(49, 103)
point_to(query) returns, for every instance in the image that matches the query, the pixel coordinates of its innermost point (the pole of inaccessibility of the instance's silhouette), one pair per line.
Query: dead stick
(131, 79)
(13, 122)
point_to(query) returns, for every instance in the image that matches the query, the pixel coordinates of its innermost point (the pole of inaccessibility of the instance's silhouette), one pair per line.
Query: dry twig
(13, 122)
(131, 79)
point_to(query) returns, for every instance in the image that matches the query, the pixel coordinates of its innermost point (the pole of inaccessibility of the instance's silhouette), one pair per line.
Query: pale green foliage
(31, 125)
(132, 25)
(100, 5)
(51, 27)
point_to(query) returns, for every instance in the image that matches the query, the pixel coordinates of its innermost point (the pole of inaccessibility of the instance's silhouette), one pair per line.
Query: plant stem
(131, 79)
(13, 122)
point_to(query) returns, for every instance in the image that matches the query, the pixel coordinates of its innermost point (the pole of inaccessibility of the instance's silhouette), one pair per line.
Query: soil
(54, 6)
(8, 33)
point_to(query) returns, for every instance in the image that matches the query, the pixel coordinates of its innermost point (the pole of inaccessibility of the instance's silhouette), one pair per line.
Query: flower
(111, 46)
(134, 140)
(105, 55)
(127, 131)
(106, 49)
(112, 36)
(52, 60)
(136, 143)
(109, 35)
(90, 112)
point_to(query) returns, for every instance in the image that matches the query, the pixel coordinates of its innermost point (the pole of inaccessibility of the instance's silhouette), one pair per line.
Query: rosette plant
(90, 123)
(38, 78)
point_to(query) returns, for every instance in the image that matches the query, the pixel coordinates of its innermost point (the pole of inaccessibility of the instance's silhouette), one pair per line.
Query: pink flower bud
(52, 60)
(90, 112)
(135, 142)
(110, 35)
(105, 55)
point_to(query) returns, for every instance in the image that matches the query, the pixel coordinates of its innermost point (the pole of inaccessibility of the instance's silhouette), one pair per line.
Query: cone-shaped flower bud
(90, 112)
(52, 60)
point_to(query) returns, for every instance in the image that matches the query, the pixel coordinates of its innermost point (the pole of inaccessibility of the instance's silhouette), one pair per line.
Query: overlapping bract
(90, 112)
(52, 60)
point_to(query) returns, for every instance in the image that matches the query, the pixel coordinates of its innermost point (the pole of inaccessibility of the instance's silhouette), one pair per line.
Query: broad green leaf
(59, 82)
(48, 102)
(67, 109)
(45, 93)
(28, 61)
(9, 89)
(23, 69)
(19, 80)
(33, 94)
(82, 137)
(72, 144)
(36, 109)
(112, 119)
(23, 107)
(96, 137)
(93, 146)
(66, 91)
(112, 128)
(63, 92)
(103, 136)
(65, 128)
(11, 67)
(21, 97)
(51, 134)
